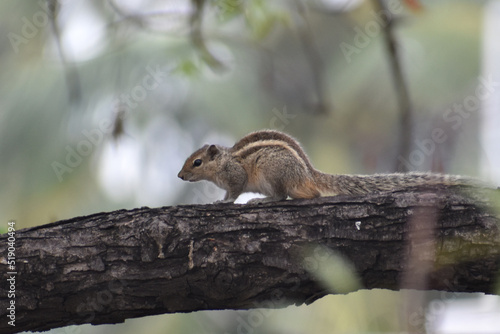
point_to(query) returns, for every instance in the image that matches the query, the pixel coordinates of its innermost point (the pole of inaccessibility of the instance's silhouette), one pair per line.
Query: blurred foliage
(63, 81)
(330, 268)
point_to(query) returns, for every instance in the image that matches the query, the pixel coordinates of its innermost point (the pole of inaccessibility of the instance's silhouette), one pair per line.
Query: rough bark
(107, 267)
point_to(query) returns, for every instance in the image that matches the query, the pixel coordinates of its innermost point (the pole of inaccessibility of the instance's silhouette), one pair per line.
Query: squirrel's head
(201, 165)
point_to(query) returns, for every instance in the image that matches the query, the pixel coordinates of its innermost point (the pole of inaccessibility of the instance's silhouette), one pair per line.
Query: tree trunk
(107, 267)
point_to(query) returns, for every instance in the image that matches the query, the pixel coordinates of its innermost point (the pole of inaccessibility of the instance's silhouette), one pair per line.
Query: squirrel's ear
(212, 151)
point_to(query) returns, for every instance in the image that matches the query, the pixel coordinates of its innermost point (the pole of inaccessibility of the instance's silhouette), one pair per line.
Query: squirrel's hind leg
(275, 191)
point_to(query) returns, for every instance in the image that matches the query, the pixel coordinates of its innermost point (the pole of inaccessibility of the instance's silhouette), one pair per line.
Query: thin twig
(313, 58)
(197, 37)
(401, 86)
(70, 72)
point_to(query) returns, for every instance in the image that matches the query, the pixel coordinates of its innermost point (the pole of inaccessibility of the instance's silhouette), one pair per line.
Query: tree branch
(107, 267)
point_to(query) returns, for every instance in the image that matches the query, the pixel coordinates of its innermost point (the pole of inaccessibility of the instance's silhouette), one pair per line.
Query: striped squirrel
(274, 164)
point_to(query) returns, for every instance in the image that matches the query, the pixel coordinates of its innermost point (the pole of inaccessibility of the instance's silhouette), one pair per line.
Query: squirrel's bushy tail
(345, 184)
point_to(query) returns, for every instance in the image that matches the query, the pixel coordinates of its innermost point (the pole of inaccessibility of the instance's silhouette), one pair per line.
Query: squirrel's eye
(197, 162)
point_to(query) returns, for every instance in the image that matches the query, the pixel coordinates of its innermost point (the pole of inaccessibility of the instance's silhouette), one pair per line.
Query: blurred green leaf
(262, 19)
(187, 68)
(228, 9)
(332, 269)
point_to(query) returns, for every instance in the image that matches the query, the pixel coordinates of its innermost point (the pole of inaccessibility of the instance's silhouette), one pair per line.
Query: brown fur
(274, 164)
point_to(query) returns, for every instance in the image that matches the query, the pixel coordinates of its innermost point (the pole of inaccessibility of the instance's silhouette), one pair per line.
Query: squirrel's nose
(180, 176)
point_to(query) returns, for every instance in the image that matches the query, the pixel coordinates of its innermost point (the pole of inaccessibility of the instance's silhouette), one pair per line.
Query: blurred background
(102, 101)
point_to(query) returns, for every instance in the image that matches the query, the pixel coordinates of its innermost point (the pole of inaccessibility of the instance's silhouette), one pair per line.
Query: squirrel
(274, 164)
